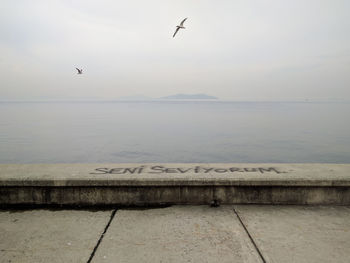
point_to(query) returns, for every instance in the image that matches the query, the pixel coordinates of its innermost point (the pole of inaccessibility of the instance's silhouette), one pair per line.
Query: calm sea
(164, 131)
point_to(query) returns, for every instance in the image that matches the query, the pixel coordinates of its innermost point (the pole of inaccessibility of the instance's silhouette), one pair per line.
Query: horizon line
(168, 100)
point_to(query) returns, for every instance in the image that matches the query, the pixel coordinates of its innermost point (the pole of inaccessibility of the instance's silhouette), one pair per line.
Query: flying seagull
(80, 71)
(180, 26)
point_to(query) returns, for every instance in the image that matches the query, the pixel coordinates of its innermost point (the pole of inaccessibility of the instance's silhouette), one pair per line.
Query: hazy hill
(189, 97)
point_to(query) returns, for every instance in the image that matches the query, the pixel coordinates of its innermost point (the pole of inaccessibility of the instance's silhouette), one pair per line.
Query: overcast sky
(233, 49)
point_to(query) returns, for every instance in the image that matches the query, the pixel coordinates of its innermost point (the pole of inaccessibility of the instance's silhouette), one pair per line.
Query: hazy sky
(233, 49)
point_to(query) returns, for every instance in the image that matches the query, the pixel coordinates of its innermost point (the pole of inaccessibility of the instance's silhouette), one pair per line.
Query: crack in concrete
(102, 235)
(250, 237)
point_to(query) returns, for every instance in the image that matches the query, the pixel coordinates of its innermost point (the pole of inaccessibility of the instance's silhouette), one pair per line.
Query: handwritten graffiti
(158, 169)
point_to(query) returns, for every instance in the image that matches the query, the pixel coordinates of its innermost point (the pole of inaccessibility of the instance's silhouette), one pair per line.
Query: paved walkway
(239, 233)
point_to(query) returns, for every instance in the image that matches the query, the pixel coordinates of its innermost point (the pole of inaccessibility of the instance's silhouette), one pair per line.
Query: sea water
(174, 131)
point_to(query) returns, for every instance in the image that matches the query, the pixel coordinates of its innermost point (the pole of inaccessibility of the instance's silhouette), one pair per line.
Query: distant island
(189, 97)
(200, 96)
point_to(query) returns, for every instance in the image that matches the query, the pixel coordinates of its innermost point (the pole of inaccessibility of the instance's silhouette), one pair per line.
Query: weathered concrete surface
(298, 233)
(176, 234)
(186, 195)
(50, 236)
(172, 174)
(179, 234)
(153, 184)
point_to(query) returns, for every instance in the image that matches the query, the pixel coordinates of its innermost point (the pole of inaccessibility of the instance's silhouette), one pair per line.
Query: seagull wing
(77, 69)
(183, 21)
(177, 29)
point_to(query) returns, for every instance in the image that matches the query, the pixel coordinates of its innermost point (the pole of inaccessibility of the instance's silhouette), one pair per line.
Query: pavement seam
(102, 235)
(250, 237)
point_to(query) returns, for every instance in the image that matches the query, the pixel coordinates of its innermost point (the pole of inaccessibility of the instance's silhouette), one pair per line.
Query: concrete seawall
(163, 184)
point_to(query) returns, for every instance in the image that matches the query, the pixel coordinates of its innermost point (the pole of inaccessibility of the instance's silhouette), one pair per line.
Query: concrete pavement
(302, 234)
(50, 236)
(239, 233)
(177, 234)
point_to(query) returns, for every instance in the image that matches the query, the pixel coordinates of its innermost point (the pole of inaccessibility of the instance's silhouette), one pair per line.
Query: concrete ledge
(155, 184)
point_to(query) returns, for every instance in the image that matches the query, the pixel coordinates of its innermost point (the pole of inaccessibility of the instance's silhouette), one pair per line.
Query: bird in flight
(180, 26)
(80, 71)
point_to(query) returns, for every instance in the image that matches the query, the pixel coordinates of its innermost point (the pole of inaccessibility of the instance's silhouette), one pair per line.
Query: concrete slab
(172, 174)
(50, 236)
(154, 184)
(298, 233)
(176, 234)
